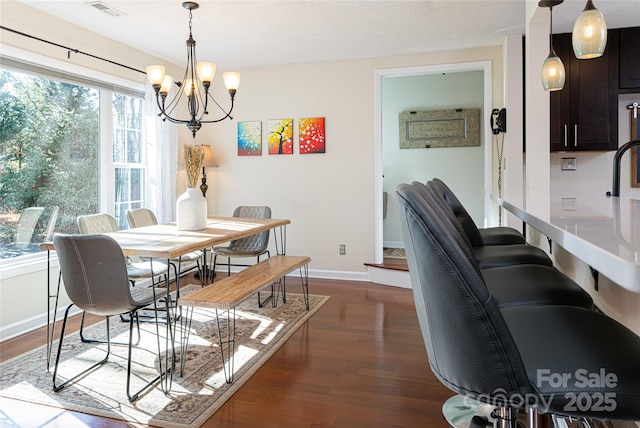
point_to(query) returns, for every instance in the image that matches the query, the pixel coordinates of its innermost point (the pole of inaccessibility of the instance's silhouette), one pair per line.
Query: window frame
(23, 265)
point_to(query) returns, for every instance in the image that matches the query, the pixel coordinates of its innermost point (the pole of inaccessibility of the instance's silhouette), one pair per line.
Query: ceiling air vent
(103, 7)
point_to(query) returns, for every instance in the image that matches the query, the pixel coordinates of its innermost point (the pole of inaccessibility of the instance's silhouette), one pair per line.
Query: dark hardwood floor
(359, 362)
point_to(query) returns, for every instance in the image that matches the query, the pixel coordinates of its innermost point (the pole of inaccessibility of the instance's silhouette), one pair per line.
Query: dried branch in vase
(193, 157)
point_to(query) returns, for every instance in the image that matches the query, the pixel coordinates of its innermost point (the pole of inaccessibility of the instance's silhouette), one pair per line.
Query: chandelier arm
(226, 116)
(167, 109)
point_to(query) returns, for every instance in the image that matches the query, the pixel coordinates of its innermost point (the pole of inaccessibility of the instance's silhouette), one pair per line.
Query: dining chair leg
(86, 340)
(164, 373)
(58, 387)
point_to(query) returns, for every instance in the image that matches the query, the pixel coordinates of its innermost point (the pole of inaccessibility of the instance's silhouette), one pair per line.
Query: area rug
(193, 398)
(394, 253)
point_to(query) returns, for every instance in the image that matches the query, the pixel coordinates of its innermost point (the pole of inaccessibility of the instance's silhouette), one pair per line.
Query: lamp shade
(155, 74)
(208, 161)
(206, 71)
(166, 84)
(231, 80)
(589, 36)
(553, 73)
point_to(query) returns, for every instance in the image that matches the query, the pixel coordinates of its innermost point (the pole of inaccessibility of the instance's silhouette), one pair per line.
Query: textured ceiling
(240, 34)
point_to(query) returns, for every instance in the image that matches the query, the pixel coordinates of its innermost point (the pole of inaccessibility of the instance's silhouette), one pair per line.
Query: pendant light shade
(553, 73)
(589, 36)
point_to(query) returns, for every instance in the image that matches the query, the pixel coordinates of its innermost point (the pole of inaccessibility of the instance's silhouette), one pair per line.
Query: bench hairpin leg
(229, 343)
(304, 279)
(272, 296)
(277, 288)
(284, 289)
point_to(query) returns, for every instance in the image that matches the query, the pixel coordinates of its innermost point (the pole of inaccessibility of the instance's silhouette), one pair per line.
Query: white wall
(329, 197)
(513, 181)
(460, 167)
(537, 113)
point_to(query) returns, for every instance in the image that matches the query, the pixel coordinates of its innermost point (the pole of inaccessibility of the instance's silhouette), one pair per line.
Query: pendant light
(589, 36)
(553, 73)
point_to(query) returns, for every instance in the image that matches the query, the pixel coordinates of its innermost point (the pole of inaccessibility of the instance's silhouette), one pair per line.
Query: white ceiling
(240, 34)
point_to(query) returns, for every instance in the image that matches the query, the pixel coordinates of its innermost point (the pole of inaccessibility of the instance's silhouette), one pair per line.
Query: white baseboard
(30, 324)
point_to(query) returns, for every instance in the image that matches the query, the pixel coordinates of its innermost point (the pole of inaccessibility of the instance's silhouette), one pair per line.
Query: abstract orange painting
(281, 137)
(311, 135)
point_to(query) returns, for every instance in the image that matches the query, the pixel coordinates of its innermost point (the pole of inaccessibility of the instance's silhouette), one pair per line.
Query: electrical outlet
(343, 249)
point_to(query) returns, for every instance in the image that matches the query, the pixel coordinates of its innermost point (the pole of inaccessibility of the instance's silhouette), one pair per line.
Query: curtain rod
(69, 50)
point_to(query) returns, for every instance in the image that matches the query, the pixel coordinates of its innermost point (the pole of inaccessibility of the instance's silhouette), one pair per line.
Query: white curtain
(162, 161)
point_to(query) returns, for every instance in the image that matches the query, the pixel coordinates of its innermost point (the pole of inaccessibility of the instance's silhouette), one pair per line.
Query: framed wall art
(281, 137)
(440, 128)
(250, 138)
(311, 135)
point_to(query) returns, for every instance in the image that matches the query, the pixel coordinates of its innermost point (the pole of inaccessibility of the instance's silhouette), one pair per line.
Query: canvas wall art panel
(250, 138)
(311, 135)
(281, 137)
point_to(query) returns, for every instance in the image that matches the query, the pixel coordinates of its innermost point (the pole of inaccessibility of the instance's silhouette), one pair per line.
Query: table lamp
(207, 162)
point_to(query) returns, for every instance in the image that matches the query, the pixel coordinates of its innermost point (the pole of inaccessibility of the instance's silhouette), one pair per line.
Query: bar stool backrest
(470, 347)
(461, 213)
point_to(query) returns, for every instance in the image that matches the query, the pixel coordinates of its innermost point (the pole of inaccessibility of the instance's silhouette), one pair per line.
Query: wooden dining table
(165, 241)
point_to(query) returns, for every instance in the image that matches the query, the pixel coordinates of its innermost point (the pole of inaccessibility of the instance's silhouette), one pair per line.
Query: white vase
(191, 210)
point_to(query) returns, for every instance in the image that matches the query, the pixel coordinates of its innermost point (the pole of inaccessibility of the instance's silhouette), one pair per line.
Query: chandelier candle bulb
(190, 88)
(155, 74)
(231, 80)
(165, 87)
(206, 72)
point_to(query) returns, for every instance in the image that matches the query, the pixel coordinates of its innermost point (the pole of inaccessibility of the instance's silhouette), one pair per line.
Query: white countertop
(602, 231)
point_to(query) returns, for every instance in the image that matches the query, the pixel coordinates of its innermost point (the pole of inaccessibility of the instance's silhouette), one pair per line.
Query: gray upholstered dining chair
(251, 246)
(27, 226)
(136, 267)
(95, 278)
(51, 224)
(141, 217)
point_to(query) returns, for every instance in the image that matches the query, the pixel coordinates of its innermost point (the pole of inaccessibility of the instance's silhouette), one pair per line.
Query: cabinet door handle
(575, 135)
(565, 135)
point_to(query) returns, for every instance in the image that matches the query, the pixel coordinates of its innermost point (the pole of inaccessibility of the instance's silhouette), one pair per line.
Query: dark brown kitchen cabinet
(584, 115)
(630, 60)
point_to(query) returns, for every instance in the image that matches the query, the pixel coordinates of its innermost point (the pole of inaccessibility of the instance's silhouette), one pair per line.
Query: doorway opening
(425, 88)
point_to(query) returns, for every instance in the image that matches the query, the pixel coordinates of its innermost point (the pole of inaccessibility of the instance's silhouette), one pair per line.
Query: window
(128, 156)
(50, 151)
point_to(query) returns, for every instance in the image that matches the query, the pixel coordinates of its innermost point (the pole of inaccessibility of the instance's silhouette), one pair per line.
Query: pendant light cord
(70, 50)
(551, 29)
(500, 157)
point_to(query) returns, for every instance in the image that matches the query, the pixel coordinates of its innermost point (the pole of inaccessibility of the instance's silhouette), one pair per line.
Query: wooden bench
(229, 292)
